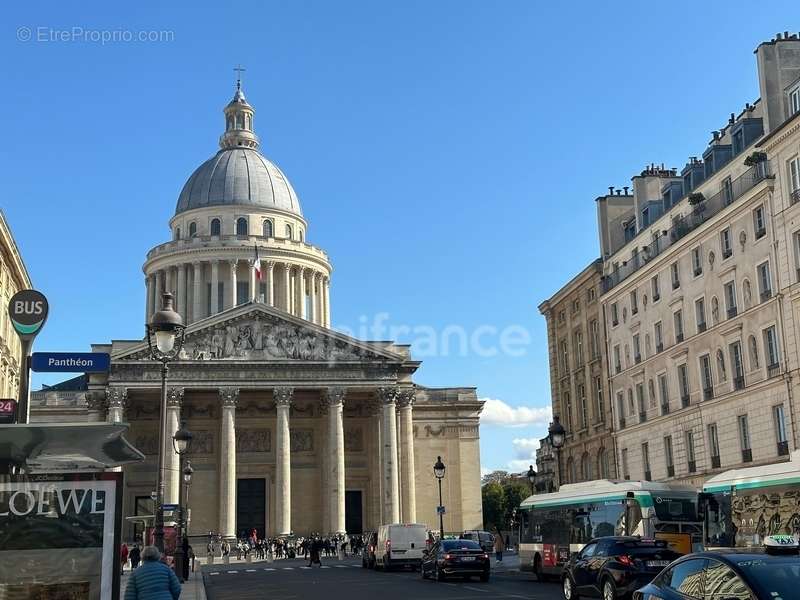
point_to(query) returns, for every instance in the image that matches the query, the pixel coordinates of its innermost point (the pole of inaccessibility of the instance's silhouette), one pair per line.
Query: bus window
(633, 518)
(606, 518)
(720, 529)
(675, 508)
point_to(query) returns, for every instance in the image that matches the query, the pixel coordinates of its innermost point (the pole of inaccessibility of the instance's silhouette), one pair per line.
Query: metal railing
(708, 393)
(685, 400)
(773, 369)
(738, 382)
(233, 241)
(685, 223)
(795, 196)
(732, 312)
(747, 455)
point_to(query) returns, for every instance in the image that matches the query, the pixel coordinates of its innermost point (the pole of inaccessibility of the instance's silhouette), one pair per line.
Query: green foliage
(494, 505)
(515, 493)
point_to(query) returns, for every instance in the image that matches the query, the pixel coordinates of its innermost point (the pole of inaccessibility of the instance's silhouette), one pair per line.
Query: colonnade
(202, 288)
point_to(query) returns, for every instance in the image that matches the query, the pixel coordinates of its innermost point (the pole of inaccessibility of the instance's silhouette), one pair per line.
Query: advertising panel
(60, 536)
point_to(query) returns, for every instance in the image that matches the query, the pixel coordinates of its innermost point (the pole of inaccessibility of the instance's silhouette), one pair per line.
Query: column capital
(196, 263)
(287, 266)
(334, 395)
(406, 397)
(229, 397)
(97, 400)
(116, 397)
(387, 394)
(283, 395)
(270, 263)
(233, 262)
(174, 397)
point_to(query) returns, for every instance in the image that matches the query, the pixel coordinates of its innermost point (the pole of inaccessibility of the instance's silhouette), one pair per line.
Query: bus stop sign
(28, 311)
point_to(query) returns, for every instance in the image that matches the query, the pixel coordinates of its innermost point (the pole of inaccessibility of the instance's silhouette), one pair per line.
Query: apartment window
(737, 366)
(771, 351)
(700, 314)
(779, 419)
(796, 244)
(725, 243)
(634, 302)
(658, 336)
(713, 445)
(591, 295)
(617, 360)
(625, 472)
(646, 461)
(594, 328)
(621, 410)
(640, 403)
(562, 316)
(614, 315)
(655, 288)
(578, 348)
(564, 358)
(697, 264)
(576, 306)
(794, 179)
(683, 383)
(730, 299)
(744, 439)
(598, 397)
(759, 224)
(664, 393)
(241, 226)
(637, 349)
(794, 101)
(677, 317)
(727, 191)
(690, 456)
(676, 276)
(568, 408)
(764, 281)
(706, 377)
(668, 456)
(631, 410)
(582, 405)
(215, 227)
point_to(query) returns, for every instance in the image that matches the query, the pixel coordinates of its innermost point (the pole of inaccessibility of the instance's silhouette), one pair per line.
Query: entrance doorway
(251, 507)
(353, 513)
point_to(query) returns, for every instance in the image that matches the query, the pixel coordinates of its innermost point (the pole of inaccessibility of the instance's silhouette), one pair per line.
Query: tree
(515, 492)
(495, 476)
(494, 505)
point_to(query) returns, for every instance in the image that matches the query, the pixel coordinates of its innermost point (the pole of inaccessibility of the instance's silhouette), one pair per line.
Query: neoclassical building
(13, 277)
(297, 427)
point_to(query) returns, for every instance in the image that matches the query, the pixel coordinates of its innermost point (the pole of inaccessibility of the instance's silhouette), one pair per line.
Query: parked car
(449, 558)
(484, 538)
(613, 567)
(368, 551)
(766, 573)
(400, 545)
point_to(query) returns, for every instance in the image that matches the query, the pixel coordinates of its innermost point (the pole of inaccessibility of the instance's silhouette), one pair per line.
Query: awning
(57, 447)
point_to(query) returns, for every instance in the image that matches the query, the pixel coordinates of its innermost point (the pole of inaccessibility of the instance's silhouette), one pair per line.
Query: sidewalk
(193, 588)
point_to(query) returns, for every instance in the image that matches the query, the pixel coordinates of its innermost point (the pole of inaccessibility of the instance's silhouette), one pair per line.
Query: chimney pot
(611, 190)
(626, 190)
(619, 192)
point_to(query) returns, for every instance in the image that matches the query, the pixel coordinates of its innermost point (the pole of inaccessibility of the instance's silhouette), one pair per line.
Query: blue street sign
(169, 507)
(70, 362)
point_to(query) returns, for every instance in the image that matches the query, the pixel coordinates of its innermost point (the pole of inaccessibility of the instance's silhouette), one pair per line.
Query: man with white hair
(153, 580)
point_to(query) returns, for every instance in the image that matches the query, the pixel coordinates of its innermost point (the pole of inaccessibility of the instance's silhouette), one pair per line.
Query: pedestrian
(154, 580)
(226, 548)
(123, 557)
(314, 557)
(498, 546)
(135, 556)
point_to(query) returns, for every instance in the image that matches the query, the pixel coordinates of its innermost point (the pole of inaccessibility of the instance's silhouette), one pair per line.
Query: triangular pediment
(257, 332)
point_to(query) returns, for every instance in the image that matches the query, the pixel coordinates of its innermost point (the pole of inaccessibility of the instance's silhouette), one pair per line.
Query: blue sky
(446, 154)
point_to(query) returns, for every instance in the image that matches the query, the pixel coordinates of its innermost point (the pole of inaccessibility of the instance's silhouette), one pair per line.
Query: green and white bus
(553, 526)
(743, 506)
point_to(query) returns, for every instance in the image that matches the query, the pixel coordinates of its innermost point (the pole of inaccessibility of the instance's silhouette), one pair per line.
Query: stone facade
(13, 277)
(578, 377)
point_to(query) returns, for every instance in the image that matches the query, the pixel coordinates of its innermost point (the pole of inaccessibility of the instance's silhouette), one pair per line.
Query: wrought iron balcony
(622, 422)
(738, 382)
(715, 462)
(747, 455)
(701, 327)
(678, 337)
(732, 312)
(637, 358)
(766, 294)
(685, 400)
(795, 196)
(708, 393)
(642, 417)
(761, 232)
(664, 409)
(727, 253)
(773, 369)
(660, 347)
(783, 448)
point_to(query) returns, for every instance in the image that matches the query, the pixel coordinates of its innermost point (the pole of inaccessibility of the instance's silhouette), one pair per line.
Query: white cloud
(524, 454)
(497, 412)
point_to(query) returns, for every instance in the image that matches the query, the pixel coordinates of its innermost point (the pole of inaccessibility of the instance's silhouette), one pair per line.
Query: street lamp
(531, 478)
(181, 442)
(438, 471)
(164, 340)
(557, 434)
(188, 471)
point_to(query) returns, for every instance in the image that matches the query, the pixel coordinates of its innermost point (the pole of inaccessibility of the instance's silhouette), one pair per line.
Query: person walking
(123, 557)
(314, 557)
(153, 580)
(498, 546)
(135, 556)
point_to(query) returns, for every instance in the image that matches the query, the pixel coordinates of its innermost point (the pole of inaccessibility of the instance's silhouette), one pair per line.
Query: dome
(241, 177)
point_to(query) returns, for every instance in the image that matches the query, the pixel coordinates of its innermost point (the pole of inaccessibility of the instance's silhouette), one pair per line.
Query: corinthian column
(116, 401)
(172, 478)
(182, 288)
(327, 301)
(149, 294)
(270, 283)
(214, 287)
(301, 292)
(405, 402)
(283, 462)
(227, 464)
(197, 291)
(287, 287)
(314, 316)
(232, 284)
(336, 482)
(391, 498)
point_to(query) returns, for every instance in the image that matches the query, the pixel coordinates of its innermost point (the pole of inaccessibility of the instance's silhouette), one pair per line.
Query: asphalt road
(290, 579)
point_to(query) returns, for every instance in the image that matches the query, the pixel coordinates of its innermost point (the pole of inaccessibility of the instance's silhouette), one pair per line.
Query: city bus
(742, 506)
(553, 526)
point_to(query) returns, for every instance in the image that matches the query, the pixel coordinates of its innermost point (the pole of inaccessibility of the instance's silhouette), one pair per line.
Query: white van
(400, 544)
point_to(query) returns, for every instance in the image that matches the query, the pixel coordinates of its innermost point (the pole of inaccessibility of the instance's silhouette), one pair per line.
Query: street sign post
(70, 362)
(169, 507)
(28, 312)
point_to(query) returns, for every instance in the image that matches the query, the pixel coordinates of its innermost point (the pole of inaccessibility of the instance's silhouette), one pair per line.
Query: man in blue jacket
(153, 580)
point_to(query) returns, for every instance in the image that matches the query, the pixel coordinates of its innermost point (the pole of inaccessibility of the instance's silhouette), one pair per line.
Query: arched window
(753, 352)
(241, 226)
(215, 227)
(177, 233)
(586, 467)
(267, 228)
(239, 121)
(289, 231)
(192, 229)
(300, 234)
(229, 122)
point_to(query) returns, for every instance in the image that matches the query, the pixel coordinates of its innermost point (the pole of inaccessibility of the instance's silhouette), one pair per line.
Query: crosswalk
(274, 569)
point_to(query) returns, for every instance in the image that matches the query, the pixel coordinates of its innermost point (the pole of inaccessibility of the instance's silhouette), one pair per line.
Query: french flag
(257, 263)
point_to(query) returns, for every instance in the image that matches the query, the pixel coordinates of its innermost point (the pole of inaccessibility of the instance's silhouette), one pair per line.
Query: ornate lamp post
(438, 471)
(188, 471)
(165, 340)
(532, 478)
(181, 442)
(557, 435)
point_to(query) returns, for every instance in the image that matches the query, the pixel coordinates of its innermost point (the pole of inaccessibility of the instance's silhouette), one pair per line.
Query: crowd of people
(312, 547)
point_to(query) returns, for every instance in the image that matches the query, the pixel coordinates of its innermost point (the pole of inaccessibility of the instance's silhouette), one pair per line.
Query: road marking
(288, 568)
(214, 573)
(269, 569)
(231, 571)
(325, 567)
(341, 566)
(305, 567)
(250, 570)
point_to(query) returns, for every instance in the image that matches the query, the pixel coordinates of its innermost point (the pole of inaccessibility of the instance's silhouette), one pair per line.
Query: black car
(368, 551)
(736, 574)
(455, 558)
(613, 567)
